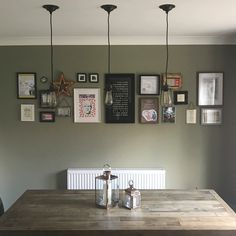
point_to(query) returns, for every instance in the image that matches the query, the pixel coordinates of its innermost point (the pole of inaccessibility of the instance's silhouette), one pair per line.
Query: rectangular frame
(149, 110)
(210, 88)
(64, 111)
(47, 116)
(93, 78)
(81, 77)
(211, 116)
(43, 99)
(149, 84)
(168, 114)
(180, 97)
(27, 112)
(174, 80)
(87, 105)
(123, 108)
(26, 85)
(191, 116)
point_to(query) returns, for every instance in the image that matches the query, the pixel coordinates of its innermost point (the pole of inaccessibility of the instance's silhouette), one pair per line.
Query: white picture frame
(191, 116)
(211, 116)
(87, 105)
(27, 112)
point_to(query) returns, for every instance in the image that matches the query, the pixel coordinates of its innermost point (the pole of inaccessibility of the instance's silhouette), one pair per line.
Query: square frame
(81, 77)
(87, 105)
(211, 116)
(27, 112)
(93, 78)
(168, 114)
(149, 110)
(210, 88)
(149, 84)
(174, 80)
(180, 97)
(47, 116)
(26, 85)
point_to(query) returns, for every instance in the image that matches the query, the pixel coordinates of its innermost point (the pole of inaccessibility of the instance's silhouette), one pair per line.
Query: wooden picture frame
(81, 77)
(180, 97)
(27, 112)
(87, 105)
(149, 110)
(211, 116)
(149, 84)
(123, 108)
(210, 88)
(174, 80)
(26, 85)
(47, 116)
(168, 114)
(93, 78)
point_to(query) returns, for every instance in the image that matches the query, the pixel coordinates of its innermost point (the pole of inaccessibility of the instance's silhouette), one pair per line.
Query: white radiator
(84, 178)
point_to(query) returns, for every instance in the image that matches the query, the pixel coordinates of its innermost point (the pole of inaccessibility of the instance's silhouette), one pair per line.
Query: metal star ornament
(63, 86)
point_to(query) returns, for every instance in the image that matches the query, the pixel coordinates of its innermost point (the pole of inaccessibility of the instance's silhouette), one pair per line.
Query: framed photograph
(149, 110)
(47, 116)
(191, 116)
(44, 99)
(174, 80)
(123, 108)
(87, 105)
(26, 85)
(149, 84)
(168, 114)
(211, 116)
(210, 89)
(27, 112)
(81, 78)
(63, 111)
(180, 97)
(94, 78)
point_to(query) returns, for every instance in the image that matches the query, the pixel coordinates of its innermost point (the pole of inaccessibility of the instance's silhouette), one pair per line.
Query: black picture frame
(93, 78)
(123, 92)
(81, 77)
(26, 85)
(43, 98)
(47, 116)
(180, 97)
(149, 84)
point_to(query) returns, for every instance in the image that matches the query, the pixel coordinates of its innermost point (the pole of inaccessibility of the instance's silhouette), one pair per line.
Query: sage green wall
(34, 154)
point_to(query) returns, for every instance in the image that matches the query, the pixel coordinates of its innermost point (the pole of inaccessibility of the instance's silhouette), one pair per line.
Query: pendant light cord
(167, 46)
(51, 49)
(109, 43)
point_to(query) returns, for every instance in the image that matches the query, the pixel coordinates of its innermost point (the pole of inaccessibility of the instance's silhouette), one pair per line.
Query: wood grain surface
(166, 212)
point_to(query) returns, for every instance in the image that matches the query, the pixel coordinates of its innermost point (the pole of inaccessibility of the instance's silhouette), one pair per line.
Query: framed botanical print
(87, 105)
(149, 84)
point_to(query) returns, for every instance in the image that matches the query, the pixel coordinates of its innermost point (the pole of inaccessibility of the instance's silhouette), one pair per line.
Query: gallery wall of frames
(83, 104)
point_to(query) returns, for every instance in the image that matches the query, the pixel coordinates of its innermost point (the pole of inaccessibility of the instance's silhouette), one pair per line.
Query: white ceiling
(25, 22)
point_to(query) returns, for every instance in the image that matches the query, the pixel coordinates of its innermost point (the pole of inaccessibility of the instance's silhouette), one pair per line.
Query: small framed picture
(94, 78)
(26, 85)
(211, 116)
(47, 116)
(149, 84)
(210, 89)
(168, 114)
(180, 97)
(81, 78)
(44, 99)
(27, 112)
(149, 110)
(191, 116)
(63, 111)
(174, 80)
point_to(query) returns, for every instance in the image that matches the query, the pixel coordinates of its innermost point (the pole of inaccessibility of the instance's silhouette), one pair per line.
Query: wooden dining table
(163, 213)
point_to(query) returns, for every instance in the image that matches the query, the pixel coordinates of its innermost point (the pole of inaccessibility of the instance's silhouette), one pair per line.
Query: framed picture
(191, 116)
(87, 105)
(210, 89)
(44, 99)
(47, 116)
(211, 116)
(94, 78)
(123, 107)
(149, 110)
(27, 112)
(180, 97)
(168, 114)
(174, 80)
(63, 111)
(26, 85)
(81, 78)
(149, 84)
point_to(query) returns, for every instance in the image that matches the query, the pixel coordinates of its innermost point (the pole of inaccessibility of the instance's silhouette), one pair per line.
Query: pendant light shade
(51, 93)
(166, 95)
(108, 97)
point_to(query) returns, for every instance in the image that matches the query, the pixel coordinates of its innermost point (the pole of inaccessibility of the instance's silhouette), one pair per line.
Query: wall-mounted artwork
(149, 84)
(47, 116)
(81, 78)
(168, 114)
(191, 116)
(27, 112)
(26, 85)
(211, 116)
(87, 105)
(174, 80)
(93, 77)
(149, 110)
(180, 97)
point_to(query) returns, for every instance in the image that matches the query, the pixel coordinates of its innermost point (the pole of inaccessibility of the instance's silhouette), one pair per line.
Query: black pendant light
(166, 97)
(51, 93)
(108, 8)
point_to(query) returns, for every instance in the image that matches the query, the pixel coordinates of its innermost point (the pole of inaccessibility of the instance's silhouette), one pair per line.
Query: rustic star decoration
(63, 86)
